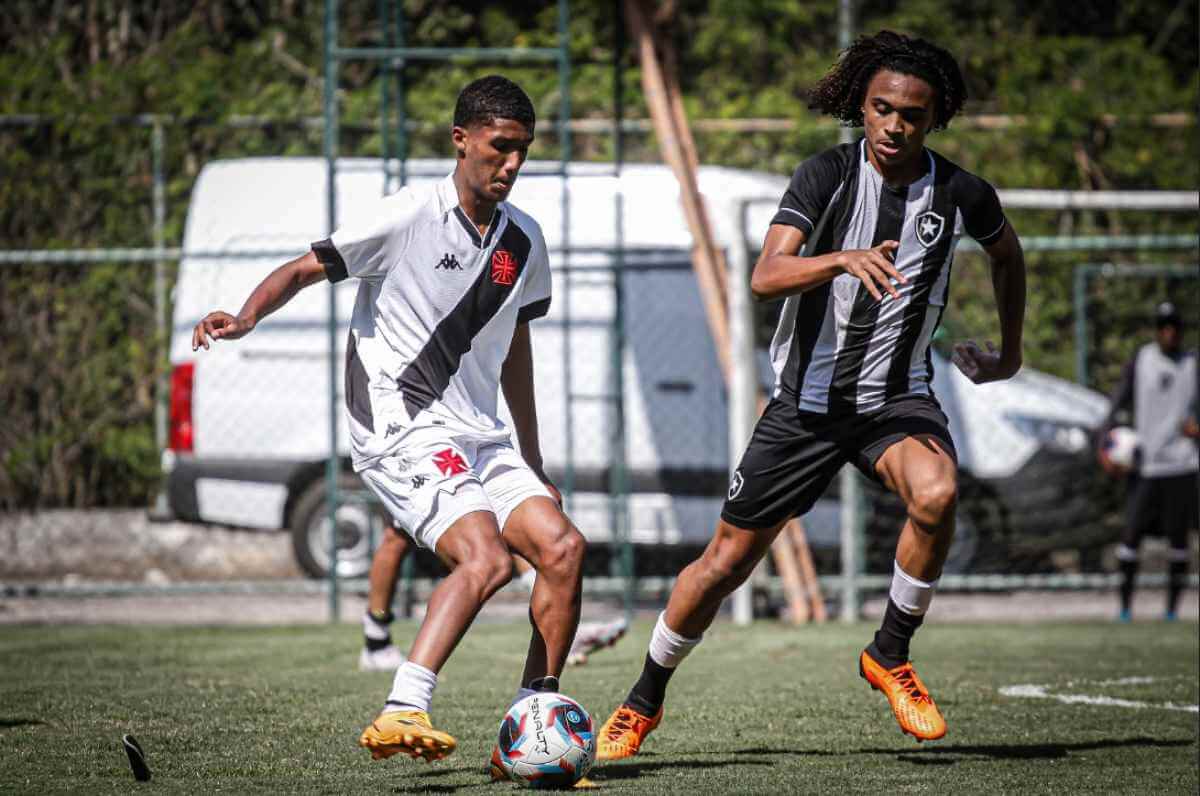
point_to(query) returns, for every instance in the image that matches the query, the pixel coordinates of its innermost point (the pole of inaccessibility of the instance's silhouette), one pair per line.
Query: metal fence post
(743, 382)
(331, 148)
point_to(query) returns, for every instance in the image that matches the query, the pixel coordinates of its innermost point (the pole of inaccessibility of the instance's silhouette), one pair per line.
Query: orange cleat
(622, 735)
(407, 731)
(915, 710)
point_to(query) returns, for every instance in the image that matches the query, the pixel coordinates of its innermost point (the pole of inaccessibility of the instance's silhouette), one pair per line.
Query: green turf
(765, 709)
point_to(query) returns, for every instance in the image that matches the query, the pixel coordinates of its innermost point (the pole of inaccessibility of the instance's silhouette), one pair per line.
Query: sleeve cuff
(533, 311)
(793, 218)
(991, 238)
(328, 256)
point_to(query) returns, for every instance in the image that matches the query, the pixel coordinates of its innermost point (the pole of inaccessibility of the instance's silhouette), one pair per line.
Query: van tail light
(182, 437)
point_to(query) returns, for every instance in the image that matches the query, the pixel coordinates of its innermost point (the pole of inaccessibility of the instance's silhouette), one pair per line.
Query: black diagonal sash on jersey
(918, 302)
(843, 387)
(827, 236)
(426, 377)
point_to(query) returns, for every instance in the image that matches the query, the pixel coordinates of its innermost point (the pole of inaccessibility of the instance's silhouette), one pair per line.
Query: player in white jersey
(1159, 391)
(878, 221)
(449, 279)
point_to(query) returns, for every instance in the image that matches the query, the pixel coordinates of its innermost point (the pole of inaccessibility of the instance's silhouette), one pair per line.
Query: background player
(450, 276)
(379, 654)
(1159, 389)
(881, 218)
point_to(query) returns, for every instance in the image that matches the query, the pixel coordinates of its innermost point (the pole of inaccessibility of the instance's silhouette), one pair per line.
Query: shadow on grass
(632, 770)
(7, 722)
(933, 755)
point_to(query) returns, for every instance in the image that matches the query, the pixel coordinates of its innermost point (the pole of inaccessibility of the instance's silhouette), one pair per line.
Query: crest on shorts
(449, 462)
(736, 483)
(929, 228)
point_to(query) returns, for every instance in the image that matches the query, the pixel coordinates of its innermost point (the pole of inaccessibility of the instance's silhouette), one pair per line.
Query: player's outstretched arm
(271, 294)
(516, 381)
(1008, 282)
(781, 272)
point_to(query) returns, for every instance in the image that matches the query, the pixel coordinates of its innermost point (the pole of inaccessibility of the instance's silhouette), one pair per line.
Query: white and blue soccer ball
(547, 740)
(1121, 446)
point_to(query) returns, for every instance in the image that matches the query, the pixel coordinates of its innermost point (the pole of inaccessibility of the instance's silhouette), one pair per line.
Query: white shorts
(437, 476)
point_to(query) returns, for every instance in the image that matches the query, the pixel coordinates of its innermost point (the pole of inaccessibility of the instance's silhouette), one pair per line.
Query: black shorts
(793, 455)
(1165, 506)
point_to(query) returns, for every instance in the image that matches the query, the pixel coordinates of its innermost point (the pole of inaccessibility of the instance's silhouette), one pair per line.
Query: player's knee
(933, 503)
(562, 557)
(490, 570)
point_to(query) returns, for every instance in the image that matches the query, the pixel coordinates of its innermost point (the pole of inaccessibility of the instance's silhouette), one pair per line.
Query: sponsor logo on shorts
(736, 483)
(449, 462)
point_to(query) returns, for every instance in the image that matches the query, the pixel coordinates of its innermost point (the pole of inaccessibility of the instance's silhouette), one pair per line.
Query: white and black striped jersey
(836, 349)
(434, 318)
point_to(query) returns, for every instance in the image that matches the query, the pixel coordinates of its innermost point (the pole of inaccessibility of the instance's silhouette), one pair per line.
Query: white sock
(375, 630)
(668, 648)
(412, 689)
(912, 596)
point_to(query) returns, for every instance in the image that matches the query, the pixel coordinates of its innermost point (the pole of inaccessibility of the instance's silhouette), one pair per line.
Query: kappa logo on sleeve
(449, 462)
(504, 267)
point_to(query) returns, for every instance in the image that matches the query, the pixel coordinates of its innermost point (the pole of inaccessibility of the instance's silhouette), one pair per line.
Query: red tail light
(182, 436)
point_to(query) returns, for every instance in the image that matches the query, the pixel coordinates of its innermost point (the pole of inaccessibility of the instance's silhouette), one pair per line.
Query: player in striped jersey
(861, 250)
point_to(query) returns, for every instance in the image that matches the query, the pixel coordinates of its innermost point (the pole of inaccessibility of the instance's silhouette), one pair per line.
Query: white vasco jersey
(838, 350)
(1163, 391)
(436, 309)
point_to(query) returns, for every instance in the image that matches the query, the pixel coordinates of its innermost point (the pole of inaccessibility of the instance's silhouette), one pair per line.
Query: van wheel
(310, 529)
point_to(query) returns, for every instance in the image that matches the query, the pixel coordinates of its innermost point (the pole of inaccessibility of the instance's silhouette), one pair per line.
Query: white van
(250, 421)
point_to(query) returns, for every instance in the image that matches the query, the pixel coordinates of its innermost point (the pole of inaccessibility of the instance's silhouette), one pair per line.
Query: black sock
(384, 619)
(650, 689)
(890, 647)
(1128, 578)
(548, 683)
(1176, 571)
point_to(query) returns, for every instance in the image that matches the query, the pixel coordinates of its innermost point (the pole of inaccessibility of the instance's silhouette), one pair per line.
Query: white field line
(1031, 691)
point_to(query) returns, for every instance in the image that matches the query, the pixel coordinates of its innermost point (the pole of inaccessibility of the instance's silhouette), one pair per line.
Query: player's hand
(982, 366)
(1110, 467)
(874, 268)
(1191, 428)
(219, 326)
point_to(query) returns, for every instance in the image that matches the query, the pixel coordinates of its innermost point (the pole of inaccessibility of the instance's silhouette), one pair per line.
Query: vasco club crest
(504, 267)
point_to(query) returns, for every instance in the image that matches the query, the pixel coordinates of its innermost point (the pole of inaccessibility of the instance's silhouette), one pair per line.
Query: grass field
(764, 709)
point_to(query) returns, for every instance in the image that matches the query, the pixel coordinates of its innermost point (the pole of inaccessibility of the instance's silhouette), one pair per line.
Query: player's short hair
(841, 91)
(493, 97)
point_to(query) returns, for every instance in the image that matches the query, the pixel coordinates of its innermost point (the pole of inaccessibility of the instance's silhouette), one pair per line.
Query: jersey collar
(448, 203)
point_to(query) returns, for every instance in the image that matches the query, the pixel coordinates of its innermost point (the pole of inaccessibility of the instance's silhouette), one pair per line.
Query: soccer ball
(1120, 445)
(547, 740)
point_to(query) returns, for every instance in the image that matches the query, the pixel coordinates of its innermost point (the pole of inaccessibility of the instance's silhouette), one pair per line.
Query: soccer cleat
(496, 768)
(407, 731)
(622, 735)
(387, 659)
(593, 636)
(915, 710)
(1125, 616)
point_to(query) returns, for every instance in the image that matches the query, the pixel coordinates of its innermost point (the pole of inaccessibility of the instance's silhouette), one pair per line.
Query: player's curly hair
(841, 91)
(493, 97)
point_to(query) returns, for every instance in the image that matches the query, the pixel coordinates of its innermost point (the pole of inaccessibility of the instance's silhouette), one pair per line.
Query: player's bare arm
(516, 380)
(272, 293)
(780, 271)
(1008, 282)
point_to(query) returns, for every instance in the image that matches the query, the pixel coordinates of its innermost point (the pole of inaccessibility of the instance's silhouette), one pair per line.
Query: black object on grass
(137, 758)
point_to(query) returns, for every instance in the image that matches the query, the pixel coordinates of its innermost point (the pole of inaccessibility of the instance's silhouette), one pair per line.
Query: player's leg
(1141, 513)
(912, 455)
(790, 460)
(379, 654)
(1180, 516)
(479, 566)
